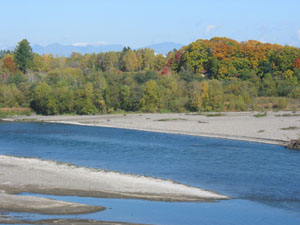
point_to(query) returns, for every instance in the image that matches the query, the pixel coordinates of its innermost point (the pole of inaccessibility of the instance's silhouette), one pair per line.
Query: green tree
(125, 97)
(23, 55)
(150, 99)
(129, 61)
(196, 55)
(195, 96)
(84, 100)
(215, 94)
(43, 100)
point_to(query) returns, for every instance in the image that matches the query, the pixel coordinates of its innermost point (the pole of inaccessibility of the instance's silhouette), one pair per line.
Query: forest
(219, 74)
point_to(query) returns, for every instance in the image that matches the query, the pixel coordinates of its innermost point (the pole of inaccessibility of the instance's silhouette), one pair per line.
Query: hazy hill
(66, 50)
(164, 47)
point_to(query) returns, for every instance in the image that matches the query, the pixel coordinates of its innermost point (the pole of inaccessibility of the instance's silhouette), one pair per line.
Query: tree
(297, 63)
(9, 63)
(43, 100)
(129, 61)
(195, 100)
(215, 95)
(150, 99)
(23, 55)
(84, 100)
(125, 97)
(196, 55)
(109, 61)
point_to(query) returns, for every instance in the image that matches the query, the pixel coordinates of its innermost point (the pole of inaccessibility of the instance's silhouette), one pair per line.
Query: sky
(138, 23)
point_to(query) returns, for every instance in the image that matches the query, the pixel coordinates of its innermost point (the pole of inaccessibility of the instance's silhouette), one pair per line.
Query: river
(262, 179)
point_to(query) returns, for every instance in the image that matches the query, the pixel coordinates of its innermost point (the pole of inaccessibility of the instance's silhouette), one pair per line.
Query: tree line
(207, 75)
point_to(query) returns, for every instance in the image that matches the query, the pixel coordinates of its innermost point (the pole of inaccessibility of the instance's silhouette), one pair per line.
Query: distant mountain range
(164, 47)
(66, 50)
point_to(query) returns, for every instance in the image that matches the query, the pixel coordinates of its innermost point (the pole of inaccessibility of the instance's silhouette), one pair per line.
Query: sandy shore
(274, 128)
(19, 175)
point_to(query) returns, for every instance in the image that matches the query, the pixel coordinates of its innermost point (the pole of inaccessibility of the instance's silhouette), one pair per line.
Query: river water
(263, 179)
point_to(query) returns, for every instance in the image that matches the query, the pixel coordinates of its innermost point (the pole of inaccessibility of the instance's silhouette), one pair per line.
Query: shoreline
(208, 135)
(273, 128)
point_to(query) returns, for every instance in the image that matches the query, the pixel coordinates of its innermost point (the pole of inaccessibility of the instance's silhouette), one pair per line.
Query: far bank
(271, 127)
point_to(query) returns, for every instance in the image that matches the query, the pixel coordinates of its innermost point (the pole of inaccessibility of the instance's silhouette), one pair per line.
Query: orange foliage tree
(297, 63)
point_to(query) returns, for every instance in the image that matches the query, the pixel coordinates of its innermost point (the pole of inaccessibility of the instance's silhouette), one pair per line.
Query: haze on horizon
(140, 23)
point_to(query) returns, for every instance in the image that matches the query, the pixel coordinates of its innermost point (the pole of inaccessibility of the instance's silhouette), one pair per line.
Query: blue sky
(138, 23)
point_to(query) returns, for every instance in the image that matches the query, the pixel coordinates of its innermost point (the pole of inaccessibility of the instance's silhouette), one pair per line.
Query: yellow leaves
(130, 61)
(195, 98)
(288, 74)
(204, 89)
(198, 95)
(196, 54)
(150, 99)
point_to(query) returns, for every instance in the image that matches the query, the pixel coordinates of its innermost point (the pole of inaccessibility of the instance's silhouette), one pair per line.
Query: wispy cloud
(84, 44)
(80, 44)
(209, 28)
(99, 43)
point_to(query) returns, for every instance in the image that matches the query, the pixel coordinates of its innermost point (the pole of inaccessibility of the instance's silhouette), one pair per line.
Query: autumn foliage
(297, 63)
(219, 74)
(224, 58)
(9, 63)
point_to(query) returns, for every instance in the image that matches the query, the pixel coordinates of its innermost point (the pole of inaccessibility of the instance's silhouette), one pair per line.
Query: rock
(294, 144)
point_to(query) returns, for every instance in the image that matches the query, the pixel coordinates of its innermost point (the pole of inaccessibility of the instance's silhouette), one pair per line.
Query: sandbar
(18, 203)
(32, 175)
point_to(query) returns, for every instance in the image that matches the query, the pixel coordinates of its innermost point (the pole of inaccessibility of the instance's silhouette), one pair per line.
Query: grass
(261, 131)
(205, 114)
(29, 120)
(289, 128)
(169, 119)
(214, 114)
(260, 115)
(9, 112)
(275, 103)
(288, 114)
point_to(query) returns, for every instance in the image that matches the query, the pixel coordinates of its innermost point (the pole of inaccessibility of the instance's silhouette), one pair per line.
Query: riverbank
(271, 128)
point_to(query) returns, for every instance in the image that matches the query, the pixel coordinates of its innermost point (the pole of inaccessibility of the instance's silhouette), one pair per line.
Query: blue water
(264, 180)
